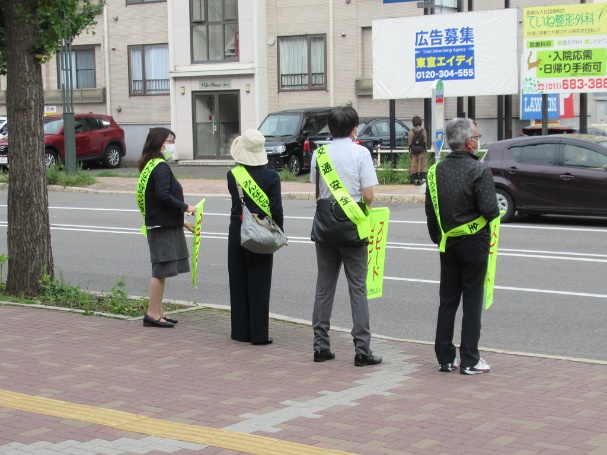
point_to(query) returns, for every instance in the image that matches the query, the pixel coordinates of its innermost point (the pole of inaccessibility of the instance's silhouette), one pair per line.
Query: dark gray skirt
(168, 251)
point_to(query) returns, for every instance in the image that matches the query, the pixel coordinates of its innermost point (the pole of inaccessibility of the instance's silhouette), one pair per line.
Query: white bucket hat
(249, 149)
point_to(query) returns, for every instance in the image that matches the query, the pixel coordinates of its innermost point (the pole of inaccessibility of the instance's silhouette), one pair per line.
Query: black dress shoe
(168, 319)
(150, 322)
(241, 341)
(260, 343)
(320, 355)
(362, 360)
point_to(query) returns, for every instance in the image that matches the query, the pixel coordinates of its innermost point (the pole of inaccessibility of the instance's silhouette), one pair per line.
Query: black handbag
(332, 225)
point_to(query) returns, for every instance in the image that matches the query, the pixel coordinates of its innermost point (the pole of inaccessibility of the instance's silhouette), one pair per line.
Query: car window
(94, 123)
(361, 127)
(577, 156)
(53, 126)
(80, 126)
(400, 129)
(535, 154)
(280, 125)
(381, 129)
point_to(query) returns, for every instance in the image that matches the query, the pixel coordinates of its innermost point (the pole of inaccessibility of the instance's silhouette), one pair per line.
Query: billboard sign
(410, 53)
(565, 49)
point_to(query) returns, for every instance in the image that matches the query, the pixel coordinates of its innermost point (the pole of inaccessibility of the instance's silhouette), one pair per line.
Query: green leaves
(57, 19)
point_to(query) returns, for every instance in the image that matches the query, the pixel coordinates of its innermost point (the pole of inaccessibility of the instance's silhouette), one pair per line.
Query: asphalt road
(551, 296)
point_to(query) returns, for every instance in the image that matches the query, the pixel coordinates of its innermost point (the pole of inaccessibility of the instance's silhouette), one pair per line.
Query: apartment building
(210, 69)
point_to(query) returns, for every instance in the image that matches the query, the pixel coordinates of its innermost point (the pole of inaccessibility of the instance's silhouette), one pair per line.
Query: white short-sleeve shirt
(353, 164)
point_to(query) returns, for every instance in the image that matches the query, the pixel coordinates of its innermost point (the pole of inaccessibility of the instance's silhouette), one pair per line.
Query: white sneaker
(480, 367)
(449, 366)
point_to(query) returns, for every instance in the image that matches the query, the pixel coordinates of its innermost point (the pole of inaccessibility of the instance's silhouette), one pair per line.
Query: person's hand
(191, 209)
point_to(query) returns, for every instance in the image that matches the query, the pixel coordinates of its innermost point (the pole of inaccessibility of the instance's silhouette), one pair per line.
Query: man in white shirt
(354, 166)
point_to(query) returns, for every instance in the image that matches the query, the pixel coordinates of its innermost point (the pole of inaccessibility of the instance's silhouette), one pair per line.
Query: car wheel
(505, 204)
(111, 156)
(50, 157)
(295, 165)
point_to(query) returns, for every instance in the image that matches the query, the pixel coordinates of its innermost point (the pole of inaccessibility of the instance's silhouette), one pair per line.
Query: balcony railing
(300, 81)
(152, 86)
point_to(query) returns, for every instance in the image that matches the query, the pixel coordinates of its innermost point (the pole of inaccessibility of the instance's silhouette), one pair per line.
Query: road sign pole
(438, 117)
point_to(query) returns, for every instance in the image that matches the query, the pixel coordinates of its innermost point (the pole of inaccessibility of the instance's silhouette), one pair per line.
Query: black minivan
(291, 137)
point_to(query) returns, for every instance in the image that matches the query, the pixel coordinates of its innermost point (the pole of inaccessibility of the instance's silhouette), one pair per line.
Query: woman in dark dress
(251, 273)
(163, 212)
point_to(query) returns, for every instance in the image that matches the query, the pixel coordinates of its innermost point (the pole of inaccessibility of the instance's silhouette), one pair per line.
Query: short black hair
(342, 121)
(417, 121)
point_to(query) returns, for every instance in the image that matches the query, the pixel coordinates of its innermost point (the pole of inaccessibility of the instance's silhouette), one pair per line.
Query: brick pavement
(194, 375)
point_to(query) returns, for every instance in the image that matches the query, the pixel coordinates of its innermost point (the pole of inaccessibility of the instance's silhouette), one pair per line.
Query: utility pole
(67, 101)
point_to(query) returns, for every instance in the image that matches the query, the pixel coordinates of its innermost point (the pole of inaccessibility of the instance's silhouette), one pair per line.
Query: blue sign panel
(446, 54)
(439, 139)
(531, 106)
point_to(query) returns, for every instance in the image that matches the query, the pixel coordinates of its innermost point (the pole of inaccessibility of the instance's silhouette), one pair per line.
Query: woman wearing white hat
(251, 273)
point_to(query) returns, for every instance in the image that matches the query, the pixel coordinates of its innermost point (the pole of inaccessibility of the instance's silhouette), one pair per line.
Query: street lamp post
(67, 100)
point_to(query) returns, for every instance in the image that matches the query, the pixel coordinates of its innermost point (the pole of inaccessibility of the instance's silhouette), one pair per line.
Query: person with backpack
(418, 143)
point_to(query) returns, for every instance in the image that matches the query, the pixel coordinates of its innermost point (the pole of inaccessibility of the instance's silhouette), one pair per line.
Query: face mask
(168, 151)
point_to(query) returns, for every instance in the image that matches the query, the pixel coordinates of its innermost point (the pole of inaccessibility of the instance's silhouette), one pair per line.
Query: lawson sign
(531, 106)
(559, 106)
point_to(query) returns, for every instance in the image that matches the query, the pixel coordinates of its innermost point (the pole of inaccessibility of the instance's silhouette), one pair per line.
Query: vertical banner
(379, 218)
(196, 245)
(494, 226)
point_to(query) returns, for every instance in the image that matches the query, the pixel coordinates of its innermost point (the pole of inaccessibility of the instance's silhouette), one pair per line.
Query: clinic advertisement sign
(565, 49)
(410, 53)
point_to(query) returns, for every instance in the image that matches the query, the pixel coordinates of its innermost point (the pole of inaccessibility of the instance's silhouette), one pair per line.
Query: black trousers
(463, 269)
(250, 282)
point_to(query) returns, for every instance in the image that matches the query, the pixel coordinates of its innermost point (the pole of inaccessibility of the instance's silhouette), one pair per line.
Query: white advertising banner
(473, 54)
(565, 49)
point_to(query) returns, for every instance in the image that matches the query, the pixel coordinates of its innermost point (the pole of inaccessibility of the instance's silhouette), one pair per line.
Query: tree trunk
(29, 236)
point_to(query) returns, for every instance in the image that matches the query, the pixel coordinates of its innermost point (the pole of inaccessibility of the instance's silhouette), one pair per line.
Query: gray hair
(458, 131)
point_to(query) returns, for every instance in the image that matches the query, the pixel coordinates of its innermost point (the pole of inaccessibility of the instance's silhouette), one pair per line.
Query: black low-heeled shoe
(168, 319)
(260, 343)
(151, 322)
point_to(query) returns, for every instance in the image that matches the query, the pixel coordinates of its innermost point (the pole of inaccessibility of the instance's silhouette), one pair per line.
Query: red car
(98, 138)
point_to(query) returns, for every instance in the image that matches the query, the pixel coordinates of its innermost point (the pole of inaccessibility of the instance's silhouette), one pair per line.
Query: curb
(289, 196)
(279, 317)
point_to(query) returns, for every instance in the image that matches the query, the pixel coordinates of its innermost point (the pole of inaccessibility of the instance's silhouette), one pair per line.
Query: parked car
(558, 174)
(291, 137)
(537, 130)
(374, 132)
(98, 138)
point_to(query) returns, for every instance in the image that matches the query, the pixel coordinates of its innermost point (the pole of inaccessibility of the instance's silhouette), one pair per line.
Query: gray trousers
(329, 259)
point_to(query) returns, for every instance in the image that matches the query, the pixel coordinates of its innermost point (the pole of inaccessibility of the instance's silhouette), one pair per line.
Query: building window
(301, 60)
(214, 30)
(149, 69)
(82, 61)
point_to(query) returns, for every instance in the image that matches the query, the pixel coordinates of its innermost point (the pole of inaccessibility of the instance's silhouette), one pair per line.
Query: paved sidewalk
(218, 187)
(193, 390)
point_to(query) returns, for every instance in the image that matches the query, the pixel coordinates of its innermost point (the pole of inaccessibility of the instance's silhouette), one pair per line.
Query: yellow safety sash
(341, 195)
(142, 185)
(472, 227)
(249, 185)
